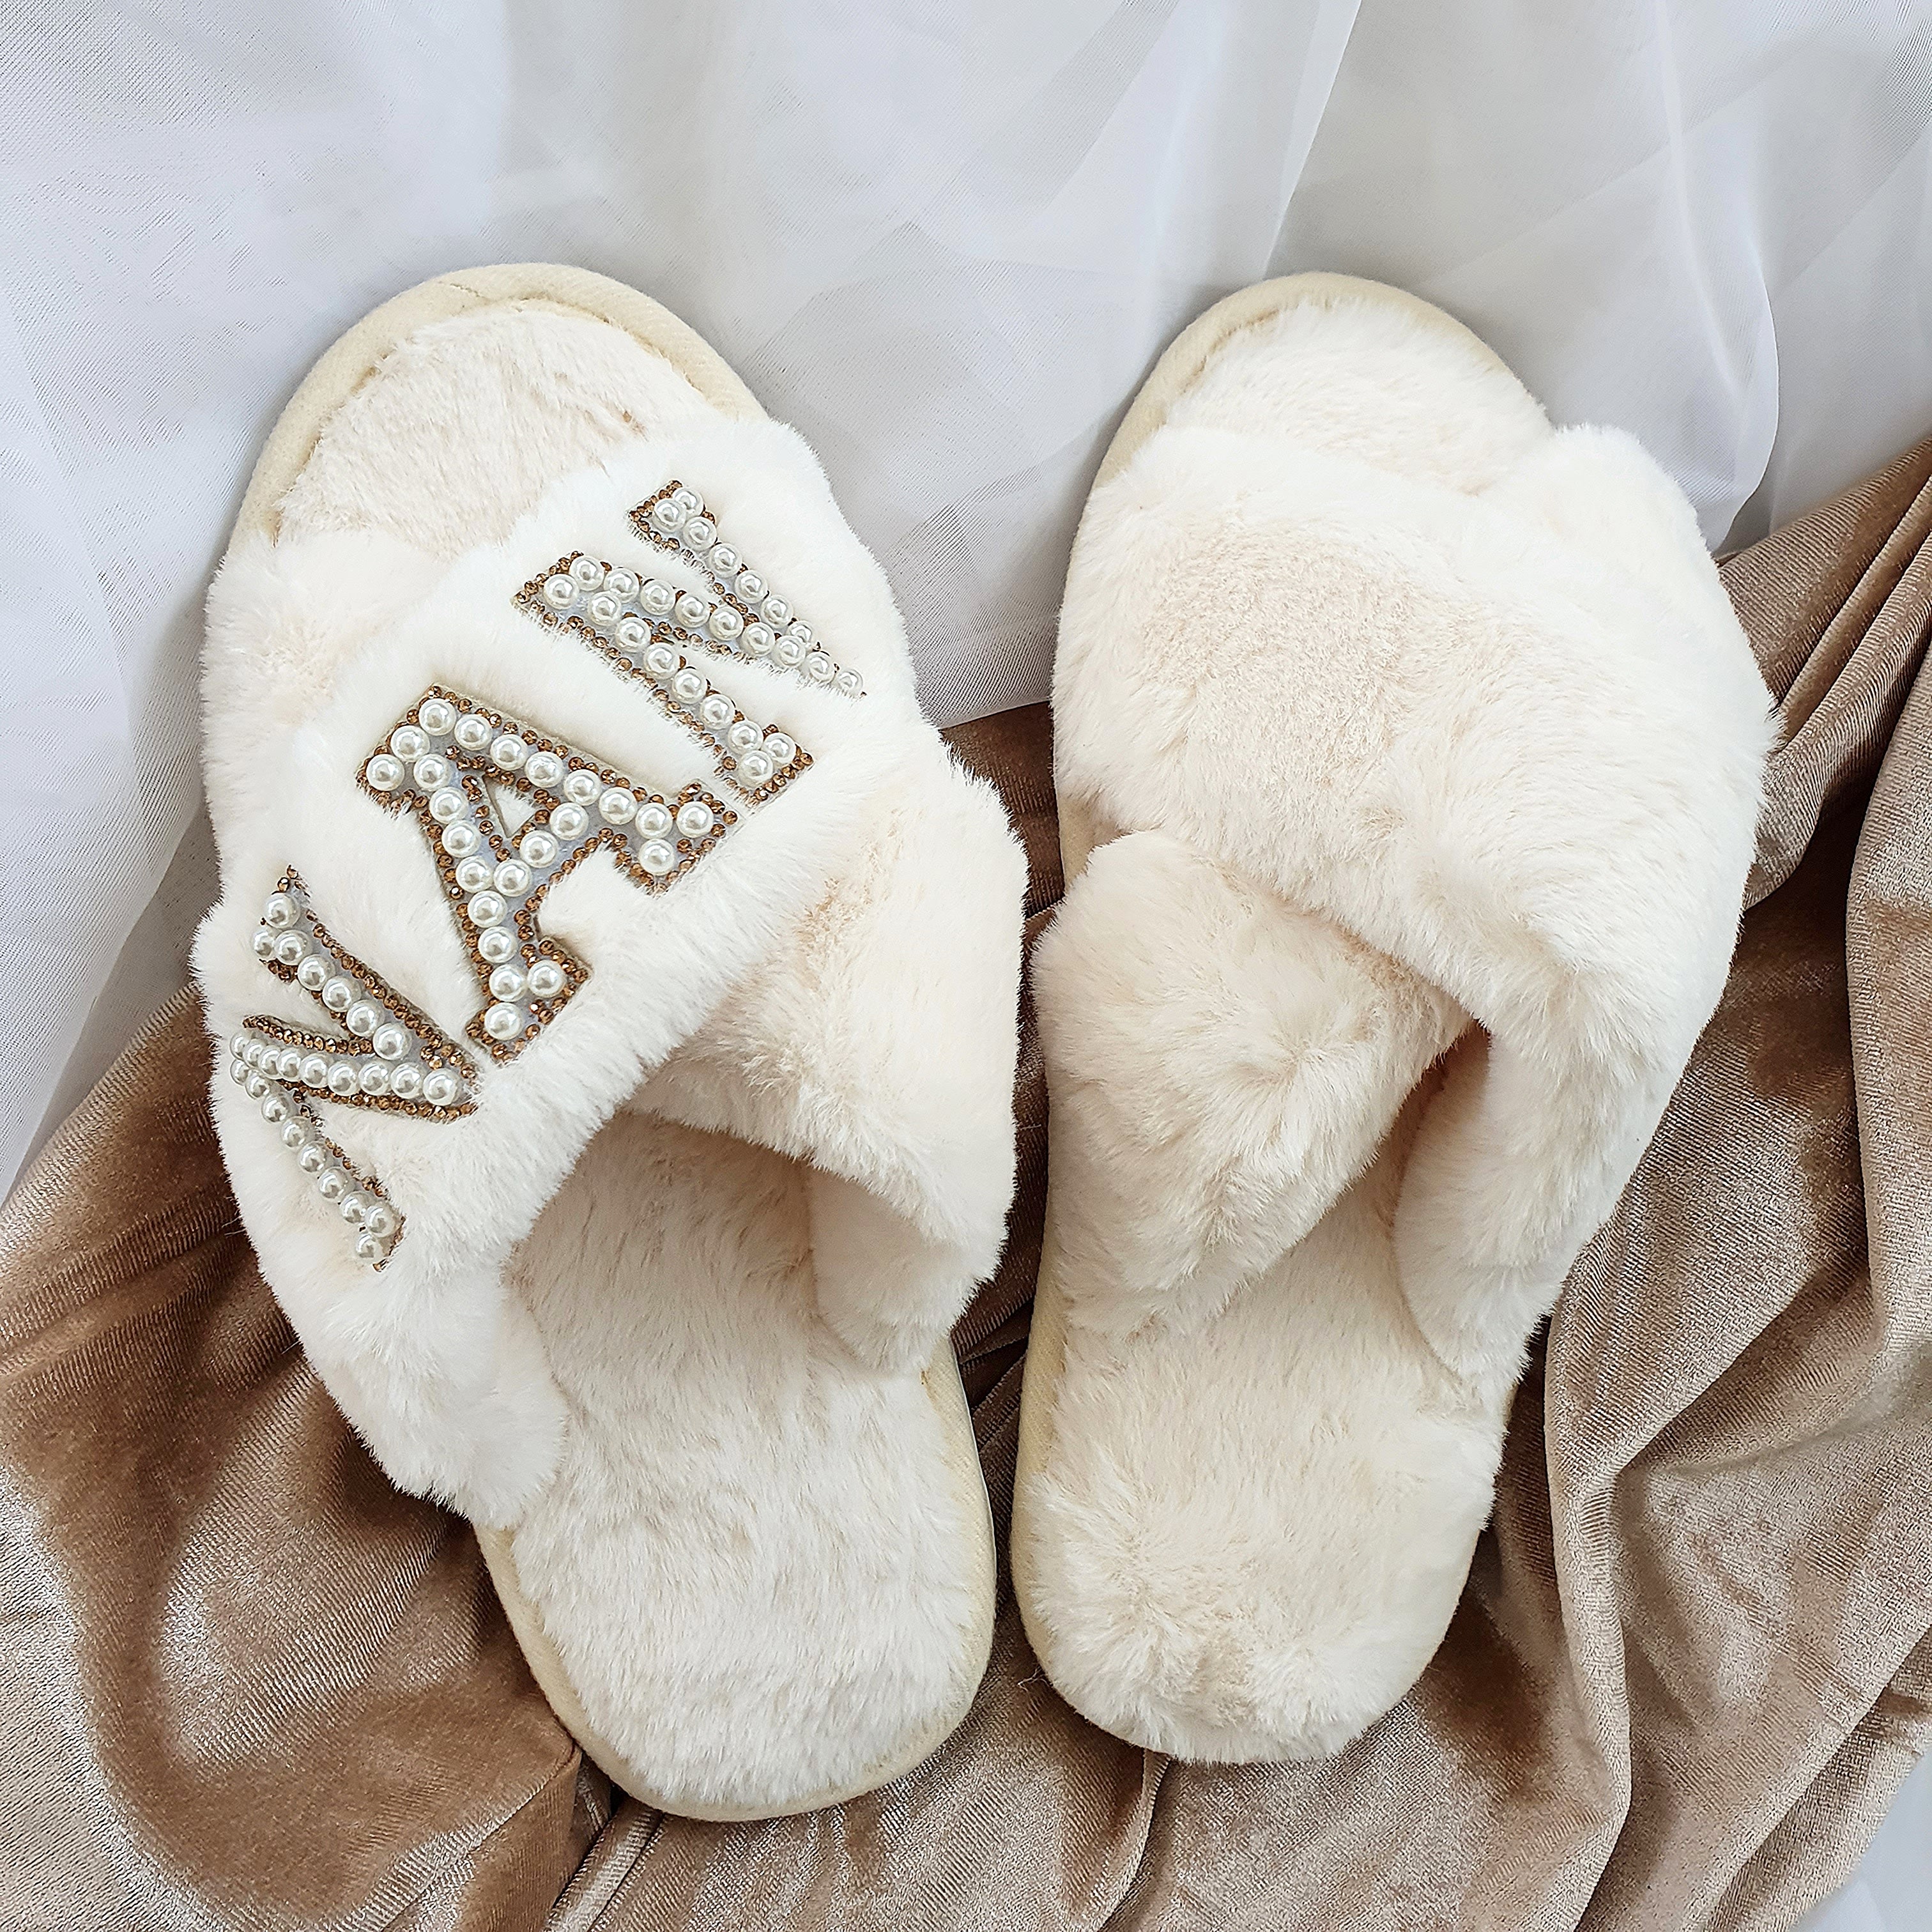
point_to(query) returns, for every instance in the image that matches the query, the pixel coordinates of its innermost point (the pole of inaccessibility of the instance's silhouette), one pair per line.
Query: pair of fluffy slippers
(615, 988)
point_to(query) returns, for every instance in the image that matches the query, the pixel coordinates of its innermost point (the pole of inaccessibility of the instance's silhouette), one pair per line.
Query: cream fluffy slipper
(618, 982)
(1409, 758)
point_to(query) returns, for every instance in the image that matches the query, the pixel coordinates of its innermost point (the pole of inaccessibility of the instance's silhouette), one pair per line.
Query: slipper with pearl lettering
(1408, 755)
(617, 987)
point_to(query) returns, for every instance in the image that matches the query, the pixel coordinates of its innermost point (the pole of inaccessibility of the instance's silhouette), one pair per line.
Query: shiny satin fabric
(247, 1683)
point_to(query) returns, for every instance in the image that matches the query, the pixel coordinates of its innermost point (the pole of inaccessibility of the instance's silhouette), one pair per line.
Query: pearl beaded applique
(440, 762)
(395, 1059)
(644, 628)
(750, 618)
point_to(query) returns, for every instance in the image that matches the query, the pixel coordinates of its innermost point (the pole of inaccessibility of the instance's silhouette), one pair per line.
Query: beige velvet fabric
(249, 1684)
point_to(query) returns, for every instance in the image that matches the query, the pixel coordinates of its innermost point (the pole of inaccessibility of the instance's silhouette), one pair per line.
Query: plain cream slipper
(1409, 759)
(616, 983)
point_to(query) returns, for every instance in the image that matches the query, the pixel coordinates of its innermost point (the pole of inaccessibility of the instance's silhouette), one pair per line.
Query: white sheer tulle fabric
(947, 241)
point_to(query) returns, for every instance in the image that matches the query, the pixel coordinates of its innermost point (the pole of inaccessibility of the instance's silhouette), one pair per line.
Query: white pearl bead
(802, 632)
(263, 943)
(353, 1207)
(295, 1136)
(538, 846)
(700, 533)
(758, 640)
(274, 1108)
(406, 1083)
(473, 731)
(819, 668)
(512, 878)
(390, 1041)
(473, 874)
(667, 514)
(447, 805)
(547, 979)
(498, 943)
(409, 742)
(632, 633)
(375, 1078)
(368, 1248)
(441, 1089)
(777, 613)
(689, 686)
(717, 711)
(507, 982)
(659, 599)
(461, 839)
(237, 1043)
(332, 1183)
(617, 808)
(788, 650)
(656, 856)
(312, 972)
(252, 1051)
(311, 1159)
(692, 610)
(581, 787)
(507, 753)
(343, 1077)
(722, 561)
(754, 767)
(588, 571)
(486, 909)
(654, 820)
(603, 608)
(661, 660)
(338, 995)
(315, 1071)
(280, 911)
(779, 749)
(750, 586)
(438, 716)
(238, 1072)
(544, 768)
(568, 821)
(622, 584)
(560, 592)
(850, 684)
(431, 771)
(503, 1022)
(694, 820)
(291, 948)
(384, 772)
(380, 1220)
(742, 736)
(362, 1019)
(289, 1066)
(687, 500)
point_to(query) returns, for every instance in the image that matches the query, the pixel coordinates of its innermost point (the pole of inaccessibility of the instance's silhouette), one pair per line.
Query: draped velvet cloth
(248, 1684)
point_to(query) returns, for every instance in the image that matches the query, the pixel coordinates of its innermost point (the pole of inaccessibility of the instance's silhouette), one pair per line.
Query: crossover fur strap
(1511, 742)
(550, 875)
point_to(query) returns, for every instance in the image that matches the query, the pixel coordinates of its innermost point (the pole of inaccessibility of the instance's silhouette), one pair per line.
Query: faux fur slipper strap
(1490, 756)
(636, 807)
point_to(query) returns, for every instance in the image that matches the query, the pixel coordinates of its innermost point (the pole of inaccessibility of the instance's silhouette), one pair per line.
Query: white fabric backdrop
(946, 240)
